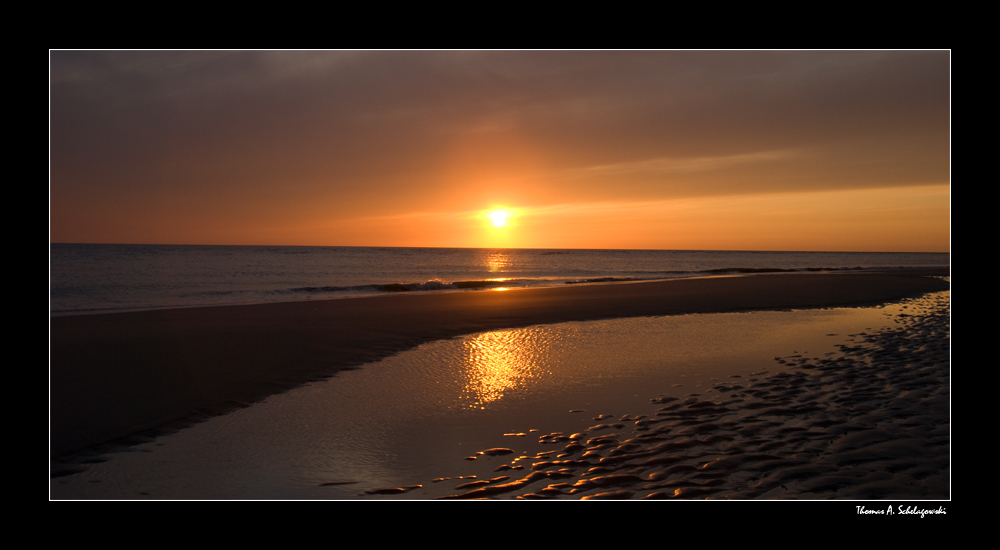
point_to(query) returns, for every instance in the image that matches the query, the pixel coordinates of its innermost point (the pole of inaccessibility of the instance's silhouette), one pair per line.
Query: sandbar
(116, 375)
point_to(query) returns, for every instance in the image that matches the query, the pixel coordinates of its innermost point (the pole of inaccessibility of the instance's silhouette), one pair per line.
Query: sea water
(96, 278)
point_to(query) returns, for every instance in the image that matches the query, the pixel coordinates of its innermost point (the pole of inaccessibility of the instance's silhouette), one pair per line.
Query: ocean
(104, 278)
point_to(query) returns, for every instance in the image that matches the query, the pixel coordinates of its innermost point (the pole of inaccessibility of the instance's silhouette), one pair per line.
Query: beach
(134, 374)
(420, 275)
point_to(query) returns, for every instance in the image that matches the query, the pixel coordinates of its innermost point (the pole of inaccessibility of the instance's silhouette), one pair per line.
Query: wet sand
(870, 421)
(113, 376)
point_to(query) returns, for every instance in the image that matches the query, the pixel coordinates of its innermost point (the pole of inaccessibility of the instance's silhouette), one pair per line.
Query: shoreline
(115, 375)
(436, 286)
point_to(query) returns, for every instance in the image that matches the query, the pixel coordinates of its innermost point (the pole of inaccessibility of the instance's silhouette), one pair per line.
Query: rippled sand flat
(870, 421)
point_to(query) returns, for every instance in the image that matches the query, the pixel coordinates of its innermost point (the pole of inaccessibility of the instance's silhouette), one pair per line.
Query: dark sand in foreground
(118, 374)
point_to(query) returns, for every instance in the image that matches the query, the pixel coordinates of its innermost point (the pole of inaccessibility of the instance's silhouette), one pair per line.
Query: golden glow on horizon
(892, 219)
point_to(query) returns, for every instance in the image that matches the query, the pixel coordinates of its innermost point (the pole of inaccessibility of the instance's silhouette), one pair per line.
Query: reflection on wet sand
(500, 361)
(869, 422)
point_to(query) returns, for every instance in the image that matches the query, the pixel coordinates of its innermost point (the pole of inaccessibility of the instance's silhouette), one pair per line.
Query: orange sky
(667, 150)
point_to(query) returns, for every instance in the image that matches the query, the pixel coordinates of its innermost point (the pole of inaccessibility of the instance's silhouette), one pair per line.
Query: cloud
(373, 132)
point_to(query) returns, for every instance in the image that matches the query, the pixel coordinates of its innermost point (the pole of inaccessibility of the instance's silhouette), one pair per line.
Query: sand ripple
(870, 421)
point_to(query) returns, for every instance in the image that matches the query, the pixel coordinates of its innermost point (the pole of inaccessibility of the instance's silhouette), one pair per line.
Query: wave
(610, 280)
(775, 269)
(632, 276)
(435, 284)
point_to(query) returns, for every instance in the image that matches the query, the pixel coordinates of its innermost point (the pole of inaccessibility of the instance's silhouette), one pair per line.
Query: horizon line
(513, 248)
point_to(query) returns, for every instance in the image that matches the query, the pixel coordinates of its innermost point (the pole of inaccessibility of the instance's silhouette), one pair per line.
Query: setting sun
(499, 217)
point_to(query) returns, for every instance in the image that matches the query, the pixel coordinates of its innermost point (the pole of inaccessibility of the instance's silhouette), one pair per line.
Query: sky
(682, 150)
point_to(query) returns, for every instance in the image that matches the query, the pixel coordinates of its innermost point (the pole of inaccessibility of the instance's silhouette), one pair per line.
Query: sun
(499, 217)
(499, 225)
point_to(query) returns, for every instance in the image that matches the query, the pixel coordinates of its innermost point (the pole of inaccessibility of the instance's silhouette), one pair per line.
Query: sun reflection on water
(500, 362)
(498, 260)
